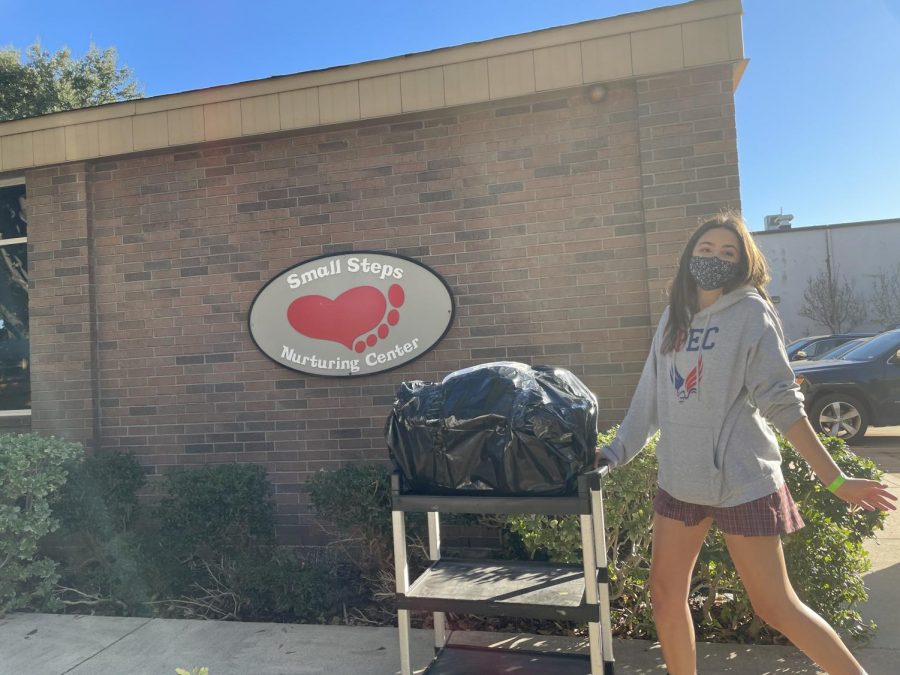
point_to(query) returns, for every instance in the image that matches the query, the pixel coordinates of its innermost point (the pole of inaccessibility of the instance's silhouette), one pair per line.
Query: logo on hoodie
(685, 386)
(695, 340)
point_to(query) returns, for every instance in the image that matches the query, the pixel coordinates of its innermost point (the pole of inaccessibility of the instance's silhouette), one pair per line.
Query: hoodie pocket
(687, 464)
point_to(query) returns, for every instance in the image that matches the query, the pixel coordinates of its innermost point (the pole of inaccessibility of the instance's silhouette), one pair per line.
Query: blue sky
(817, 109)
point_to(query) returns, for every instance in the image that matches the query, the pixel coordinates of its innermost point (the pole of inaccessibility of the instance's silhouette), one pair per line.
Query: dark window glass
(796, 346)
(823, 346)
(15, 369)
(879, 346)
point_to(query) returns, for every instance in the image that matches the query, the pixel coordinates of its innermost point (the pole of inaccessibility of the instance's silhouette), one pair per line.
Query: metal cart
(523, 589)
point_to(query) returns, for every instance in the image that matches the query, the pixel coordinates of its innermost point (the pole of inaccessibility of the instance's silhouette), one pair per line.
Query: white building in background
(860, 251)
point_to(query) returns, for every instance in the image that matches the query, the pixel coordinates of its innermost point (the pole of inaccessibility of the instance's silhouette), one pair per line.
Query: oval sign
(351, 314)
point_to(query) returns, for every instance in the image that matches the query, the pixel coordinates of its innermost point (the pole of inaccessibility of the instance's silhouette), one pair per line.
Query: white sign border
(333, 254)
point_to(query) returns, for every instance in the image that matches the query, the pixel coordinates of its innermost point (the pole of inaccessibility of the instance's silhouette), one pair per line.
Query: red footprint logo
(348, 317)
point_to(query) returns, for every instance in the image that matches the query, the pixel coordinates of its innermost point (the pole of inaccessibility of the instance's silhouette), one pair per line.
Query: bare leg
(675, 551)
(760, 562)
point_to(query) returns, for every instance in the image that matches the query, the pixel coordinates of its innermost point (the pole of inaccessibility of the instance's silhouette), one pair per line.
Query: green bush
(225, 508)
(32, 468)
(279, 587)
(100, 496)
(207, 550)
(356, 500)
(103, 566)
(826, 559)
(217, 543)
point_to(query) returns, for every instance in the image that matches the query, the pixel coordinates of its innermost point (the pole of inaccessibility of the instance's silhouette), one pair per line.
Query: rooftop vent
(781, 221)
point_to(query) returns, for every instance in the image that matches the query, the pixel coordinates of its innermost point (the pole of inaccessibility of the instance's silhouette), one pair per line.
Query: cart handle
(593, 478)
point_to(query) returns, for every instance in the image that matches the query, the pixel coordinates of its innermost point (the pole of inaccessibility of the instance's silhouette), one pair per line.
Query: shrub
(280, 587)
(826, 559)
(32, 468)
(220, 509)
(217, 541)
(207, 551)
(100, 496)
(103, 567)
(356, 501)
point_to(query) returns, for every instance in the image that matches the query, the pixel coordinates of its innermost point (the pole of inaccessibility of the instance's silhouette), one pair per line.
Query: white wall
(860, 252)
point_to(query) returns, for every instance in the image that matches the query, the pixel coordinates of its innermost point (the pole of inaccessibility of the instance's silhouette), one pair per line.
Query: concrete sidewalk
(47, 644)
(883, 580)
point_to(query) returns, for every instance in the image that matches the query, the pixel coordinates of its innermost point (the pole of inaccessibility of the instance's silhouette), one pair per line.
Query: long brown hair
(752, 271)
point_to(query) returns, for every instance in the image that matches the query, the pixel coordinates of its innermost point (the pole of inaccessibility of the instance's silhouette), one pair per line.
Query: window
(796, 346)
(15, 357)
(880, 345)
(823, 346)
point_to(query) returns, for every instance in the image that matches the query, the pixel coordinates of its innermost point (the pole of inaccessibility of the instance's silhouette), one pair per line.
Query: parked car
(846, 396)
(812, 346)
(839, 352)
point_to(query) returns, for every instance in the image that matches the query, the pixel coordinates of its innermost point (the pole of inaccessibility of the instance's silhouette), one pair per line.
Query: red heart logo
(341, 320)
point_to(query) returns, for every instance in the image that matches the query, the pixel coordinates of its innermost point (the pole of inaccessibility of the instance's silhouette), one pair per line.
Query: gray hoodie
(711, 399)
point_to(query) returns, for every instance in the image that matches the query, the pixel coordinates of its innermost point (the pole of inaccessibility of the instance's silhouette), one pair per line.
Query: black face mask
(711, 272)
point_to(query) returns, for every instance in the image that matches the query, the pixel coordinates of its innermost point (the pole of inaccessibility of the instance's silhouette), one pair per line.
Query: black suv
(846, 396)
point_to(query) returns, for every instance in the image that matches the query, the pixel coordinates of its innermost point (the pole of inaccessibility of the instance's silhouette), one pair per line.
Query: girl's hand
(600, 459)
(869, 494)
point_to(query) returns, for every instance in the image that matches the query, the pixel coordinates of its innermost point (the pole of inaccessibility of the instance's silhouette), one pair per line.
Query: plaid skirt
(773, 514)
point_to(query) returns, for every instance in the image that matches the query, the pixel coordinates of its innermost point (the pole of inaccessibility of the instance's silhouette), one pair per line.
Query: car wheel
(840, 415)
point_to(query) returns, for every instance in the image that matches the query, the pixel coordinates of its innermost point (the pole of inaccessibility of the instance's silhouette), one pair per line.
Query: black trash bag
(500, 428)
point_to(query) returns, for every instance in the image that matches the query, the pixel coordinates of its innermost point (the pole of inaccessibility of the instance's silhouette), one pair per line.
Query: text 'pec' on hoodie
(711, 400)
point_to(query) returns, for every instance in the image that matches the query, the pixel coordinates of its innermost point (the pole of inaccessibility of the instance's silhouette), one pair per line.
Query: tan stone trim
(12, 180)
(668, 39)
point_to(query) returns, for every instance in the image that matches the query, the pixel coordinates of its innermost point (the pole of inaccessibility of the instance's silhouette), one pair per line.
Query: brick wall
(63, 368)
(689, 164)
(553, 219)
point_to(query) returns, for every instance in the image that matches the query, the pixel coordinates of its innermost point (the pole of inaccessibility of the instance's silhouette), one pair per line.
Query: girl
(717, 376)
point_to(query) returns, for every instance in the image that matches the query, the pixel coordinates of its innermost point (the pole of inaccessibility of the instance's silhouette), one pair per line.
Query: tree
(886, 297)
(829, 299)
(45, 83)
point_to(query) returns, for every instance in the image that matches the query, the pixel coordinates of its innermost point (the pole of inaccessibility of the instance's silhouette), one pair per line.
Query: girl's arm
(770, 381)
(769, 378)
(640, 421)
(869, 494)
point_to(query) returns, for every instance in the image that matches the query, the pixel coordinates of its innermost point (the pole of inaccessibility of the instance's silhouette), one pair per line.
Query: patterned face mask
(711, 272)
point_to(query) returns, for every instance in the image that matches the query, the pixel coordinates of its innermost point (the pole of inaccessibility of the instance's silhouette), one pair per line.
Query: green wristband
(836, 483)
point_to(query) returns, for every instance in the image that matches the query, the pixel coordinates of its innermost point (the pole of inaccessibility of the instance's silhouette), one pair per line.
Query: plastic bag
(504, 428)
